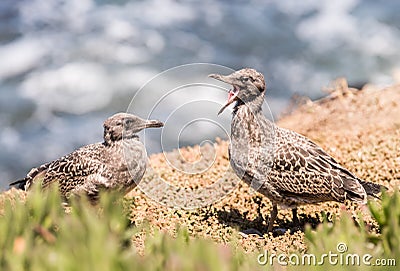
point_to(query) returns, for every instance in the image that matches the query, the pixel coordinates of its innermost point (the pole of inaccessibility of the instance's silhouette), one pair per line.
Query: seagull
(118, 163)
(286, 167)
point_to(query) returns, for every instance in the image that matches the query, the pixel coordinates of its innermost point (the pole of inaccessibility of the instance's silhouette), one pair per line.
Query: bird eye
(127, 121)
(244, 79)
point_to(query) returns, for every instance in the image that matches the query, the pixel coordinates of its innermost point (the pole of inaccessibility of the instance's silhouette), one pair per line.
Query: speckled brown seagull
(286, 167)
(118, 163)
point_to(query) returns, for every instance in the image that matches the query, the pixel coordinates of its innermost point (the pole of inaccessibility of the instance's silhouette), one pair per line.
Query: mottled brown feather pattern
(283, 165)
(118, 163)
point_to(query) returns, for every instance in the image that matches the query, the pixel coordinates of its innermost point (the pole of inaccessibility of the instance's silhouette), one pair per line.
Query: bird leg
(272, 217)
(295, 217)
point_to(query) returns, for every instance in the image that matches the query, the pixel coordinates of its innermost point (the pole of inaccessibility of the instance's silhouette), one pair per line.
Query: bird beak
(153, 124)
(232, 94)
(226, 79)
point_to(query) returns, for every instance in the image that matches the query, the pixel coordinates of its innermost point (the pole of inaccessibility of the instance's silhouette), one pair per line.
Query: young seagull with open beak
(285, 166)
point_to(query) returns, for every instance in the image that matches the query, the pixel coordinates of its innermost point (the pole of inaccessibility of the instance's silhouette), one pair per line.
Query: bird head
(124, 125)
(247, 85)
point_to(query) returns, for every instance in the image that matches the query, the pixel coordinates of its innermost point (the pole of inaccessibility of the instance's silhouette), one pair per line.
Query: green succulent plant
(41, 233)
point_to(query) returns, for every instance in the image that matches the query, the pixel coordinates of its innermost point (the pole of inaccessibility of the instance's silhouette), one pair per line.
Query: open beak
(232, 94)
(153, 124)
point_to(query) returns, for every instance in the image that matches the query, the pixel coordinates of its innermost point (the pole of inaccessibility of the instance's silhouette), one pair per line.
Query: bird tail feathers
(373, 189)
(20, 184)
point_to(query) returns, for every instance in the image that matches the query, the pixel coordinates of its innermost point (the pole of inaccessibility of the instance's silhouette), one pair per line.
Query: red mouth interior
(231, 95)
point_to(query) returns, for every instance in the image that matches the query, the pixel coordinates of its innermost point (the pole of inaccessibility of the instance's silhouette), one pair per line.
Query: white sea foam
(71, 15)
(75, 87)
(330, 26)
(20, 56)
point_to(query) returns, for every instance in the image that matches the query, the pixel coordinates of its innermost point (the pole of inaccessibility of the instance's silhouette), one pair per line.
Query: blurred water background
(67, 65)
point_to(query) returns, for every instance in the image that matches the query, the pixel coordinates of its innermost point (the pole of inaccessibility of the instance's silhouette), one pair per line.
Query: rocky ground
(194, 187)
(360, 128)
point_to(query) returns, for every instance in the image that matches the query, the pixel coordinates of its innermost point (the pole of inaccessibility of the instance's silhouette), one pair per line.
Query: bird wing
(309, 172)
(72, 170)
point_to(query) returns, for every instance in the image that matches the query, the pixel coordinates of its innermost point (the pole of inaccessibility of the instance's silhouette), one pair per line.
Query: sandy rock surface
(360, 128)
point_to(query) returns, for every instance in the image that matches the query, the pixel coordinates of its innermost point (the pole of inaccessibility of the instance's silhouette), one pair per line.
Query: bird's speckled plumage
(118, 163)
(285, 166)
